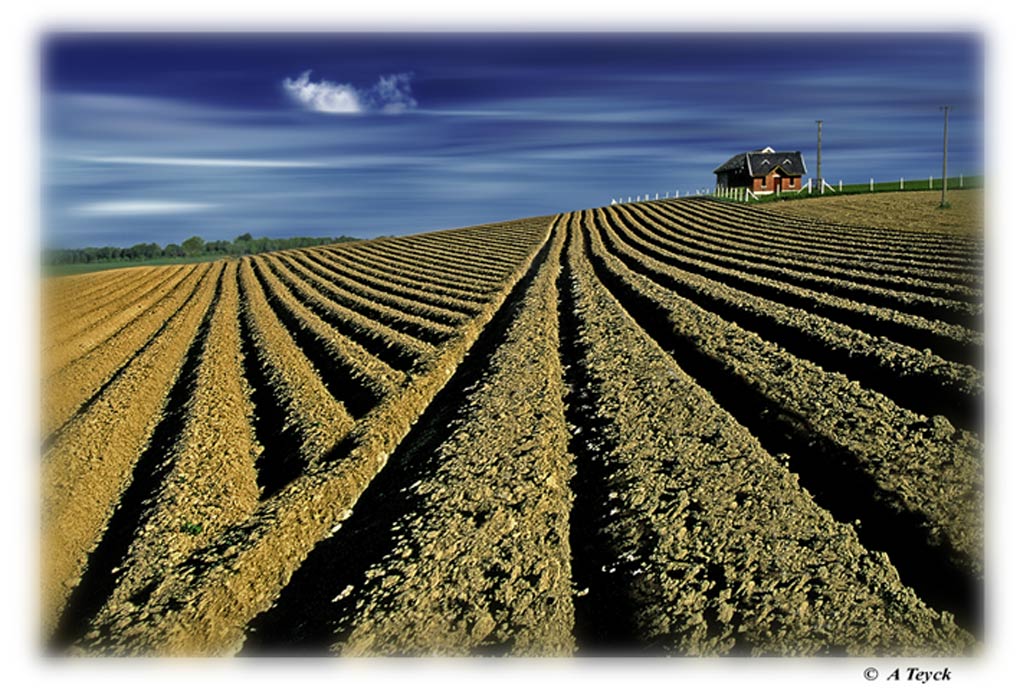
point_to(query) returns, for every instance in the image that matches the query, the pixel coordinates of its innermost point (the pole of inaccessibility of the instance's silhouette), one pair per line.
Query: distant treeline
(192, 247)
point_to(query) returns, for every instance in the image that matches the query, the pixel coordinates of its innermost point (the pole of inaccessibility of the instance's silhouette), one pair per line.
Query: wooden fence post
(931, 183)
(840, 185)
(871, 185)
(901, 183)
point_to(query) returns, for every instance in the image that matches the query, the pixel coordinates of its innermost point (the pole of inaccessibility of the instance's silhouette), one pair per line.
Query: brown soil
(317, 418)
(451, 526)
(116, 300)
(710, 542)
(681, 427)
(204, 607)
(905, 211)
(89, 467)
(909, 456)
(208, 480)
(77, 372)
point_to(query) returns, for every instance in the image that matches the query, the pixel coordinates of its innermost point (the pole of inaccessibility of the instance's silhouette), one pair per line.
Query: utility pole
(818, 171)
(945, 153)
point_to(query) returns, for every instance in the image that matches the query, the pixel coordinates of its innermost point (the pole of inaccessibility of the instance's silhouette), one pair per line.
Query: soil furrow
(711, 542)
(114, 302)
(279, 462)
(604, 621)
(456, 266)
(493, 243)
(790, 231)
(71, 349)
(205, 607)
(493, 252)
(417, 269)
(919, 475)
(459, 544)
(422, 328)
(934, 239)
(711, 238)
(438, 251)
(670, 428)
(731, 233)
(402, 352)
(420, 293)
(920, 381)
(654, 229)
(210, 481)
(354, 377)
(319, 419)
(468, 243)
(62, 293)
(438, 283)
(70, 392)
(89, 467)
(425, 308)
(105, 565)
(931, 246)
(953, 342)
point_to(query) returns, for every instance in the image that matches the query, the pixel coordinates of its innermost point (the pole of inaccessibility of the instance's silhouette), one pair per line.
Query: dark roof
(758, 163)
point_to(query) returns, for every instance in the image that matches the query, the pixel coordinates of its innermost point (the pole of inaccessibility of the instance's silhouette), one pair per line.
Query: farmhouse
(764, 172)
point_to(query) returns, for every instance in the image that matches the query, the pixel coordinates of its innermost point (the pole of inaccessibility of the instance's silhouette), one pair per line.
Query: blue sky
(153, 138)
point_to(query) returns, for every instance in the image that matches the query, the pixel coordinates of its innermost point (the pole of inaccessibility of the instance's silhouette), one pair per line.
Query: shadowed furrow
(666, 428)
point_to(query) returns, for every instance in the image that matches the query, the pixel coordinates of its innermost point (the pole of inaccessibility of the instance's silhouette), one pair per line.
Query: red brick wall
(767, 184)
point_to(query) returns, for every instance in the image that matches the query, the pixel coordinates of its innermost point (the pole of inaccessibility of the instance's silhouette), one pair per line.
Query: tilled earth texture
(911, 211)
(682, 427)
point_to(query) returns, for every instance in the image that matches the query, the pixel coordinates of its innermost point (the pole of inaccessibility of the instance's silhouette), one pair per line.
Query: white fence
(743, 194)
(651, 196)
(734, 193)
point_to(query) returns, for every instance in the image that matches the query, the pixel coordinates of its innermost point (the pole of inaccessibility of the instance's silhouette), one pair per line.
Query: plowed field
(683, 427)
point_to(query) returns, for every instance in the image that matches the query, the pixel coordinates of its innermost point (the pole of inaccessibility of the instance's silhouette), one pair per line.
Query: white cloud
(138, 207)
(324, 97)
(391, 94)
(192, 161)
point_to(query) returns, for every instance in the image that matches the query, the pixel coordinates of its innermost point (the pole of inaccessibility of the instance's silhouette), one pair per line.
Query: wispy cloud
(139, 207)
(193, 161)
(391, 94)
